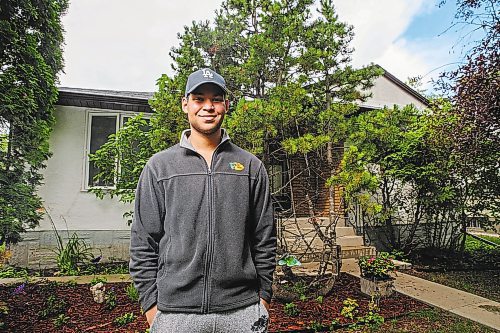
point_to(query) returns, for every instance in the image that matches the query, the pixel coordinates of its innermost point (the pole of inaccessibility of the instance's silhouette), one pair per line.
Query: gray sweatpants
(251, 319)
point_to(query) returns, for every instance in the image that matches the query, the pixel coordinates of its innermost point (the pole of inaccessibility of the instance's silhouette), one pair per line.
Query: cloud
(379, 27)
(124, 44)
(377, 24)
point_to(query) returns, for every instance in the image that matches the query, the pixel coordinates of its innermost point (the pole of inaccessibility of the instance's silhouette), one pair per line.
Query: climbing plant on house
(31, 38)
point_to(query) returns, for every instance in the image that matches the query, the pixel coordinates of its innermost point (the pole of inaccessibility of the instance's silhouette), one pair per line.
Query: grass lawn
(477, 271)
(481, 283)
(434, 321)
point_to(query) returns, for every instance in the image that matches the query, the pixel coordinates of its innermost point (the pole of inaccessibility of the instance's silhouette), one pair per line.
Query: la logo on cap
(208, 74)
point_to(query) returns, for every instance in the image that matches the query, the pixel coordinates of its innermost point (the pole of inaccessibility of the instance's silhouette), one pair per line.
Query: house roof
(138, 101)
(105, 99)
(405, 87)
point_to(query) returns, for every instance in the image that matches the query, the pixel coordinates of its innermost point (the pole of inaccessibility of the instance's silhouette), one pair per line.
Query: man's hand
(150, 314)
(264, 302)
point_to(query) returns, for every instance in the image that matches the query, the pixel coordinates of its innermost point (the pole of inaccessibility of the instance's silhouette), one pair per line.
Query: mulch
(84, 315)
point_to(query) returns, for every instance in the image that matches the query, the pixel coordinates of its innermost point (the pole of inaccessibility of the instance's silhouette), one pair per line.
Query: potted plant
(375, 274)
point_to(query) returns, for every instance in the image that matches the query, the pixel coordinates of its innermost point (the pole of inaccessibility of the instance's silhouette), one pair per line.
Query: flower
(377, 267)
(19, 289)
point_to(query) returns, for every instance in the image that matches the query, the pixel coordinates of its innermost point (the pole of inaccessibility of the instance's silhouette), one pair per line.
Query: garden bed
(82, 314)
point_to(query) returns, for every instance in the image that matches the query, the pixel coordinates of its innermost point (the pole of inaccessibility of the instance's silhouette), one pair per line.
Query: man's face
(205, 108)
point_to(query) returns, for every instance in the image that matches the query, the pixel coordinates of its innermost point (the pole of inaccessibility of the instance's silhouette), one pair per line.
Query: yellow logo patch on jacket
(236, 166)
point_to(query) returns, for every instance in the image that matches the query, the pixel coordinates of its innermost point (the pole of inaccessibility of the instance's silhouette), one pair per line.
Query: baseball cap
(201, 76)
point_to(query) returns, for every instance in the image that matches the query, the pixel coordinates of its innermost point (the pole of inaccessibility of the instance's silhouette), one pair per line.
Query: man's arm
(146, 232)
(264, 244)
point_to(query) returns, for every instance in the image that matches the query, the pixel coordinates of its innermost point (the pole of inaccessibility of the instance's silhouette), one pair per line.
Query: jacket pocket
(162, 267)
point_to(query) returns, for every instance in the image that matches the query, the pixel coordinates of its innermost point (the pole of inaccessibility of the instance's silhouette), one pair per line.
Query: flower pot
(377, 288)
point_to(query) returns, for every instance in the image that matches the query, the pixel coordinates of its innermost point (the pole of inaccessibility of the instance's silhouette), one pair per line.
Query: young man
(203, 239)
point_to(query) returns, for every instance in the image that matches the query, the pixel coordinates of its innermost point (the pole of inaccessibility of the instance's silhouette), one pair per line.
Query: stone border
(79, 279)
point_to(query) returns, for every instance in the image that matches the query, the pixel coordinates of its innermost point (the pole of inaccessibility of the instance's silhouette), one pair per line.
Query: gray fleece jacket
(203, 238)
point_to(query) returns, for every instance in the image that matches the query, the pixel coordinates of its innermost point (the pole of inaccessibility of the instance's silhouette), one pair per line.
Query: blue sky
(431, 22)
(125, 44)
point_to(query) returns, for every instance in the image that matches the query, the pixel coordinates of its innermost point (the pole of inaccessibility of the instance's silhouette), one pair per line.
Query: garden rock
(98, 292)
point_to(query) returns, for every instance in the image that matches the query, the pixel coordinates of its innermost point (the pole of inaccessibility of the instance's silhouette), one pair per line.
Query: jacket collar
(186, 144)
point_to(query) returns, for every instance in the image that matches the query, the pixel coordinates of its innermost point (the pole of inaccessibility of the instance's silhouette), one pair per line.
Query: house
(305, 189)
(387, 91)
(84, 119)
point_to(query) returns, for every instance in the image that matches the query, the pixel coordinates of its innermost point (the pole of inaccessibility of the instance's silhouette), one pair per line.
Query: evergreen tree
(288, 71)
(30, 57)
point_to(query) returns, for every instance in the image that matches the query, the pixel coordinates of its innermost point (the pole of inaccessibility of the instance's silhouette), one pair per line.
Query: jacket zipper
(208, 262)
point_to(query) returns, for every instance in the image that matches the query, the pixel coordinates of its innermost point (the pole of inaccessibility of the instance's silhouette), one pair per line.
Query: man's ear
(227, 105)
(184, 104)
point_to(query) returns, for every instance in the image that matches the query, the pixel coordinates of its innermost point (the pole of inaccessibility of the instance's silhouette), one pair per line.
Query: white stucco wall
(69, 205)
(387, 93)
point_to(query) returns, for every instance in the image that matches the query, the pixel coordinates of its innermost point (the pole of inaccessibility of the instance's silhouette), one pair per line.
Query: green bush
(60, 320)
(98, 279)
(299, 288)
(121, 268)
(53, 306)
(12, 272)
(371, 319)
(110, 299)
(350, 308)
(291, 309)
(316, 326)
(473, 245)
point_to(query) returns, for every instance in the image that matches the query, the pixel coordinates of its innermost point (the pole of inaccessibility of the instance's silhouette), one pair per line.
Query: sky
(124, 44)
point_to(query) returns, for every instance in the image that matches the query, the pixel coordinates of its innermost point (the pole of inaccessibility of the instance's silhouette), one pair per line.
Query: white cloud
(424, 58)
(379, 26)
(124, 44)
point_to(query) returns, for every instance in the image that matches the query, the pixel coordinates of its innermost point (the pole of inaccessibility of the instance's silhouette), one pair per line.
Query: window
(276, 178)
(100, 126)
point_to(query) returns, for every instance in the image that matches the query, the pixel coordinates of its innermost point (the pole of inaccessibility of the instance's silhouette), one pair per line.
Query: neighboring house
(84, 119)
(387, 91)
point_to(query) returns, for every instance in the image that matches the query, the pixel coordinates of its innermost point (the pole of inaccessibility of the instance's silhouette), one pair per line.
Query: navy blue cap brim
(206, 82)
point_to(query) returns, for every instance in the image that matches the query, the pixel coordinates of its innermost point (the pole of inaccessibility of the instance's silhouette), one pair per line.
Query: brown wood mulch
(24, 308)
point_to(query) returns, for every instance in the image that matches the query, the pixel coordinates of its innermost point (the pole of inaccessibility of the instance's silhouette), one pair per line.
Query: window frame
(91, 113)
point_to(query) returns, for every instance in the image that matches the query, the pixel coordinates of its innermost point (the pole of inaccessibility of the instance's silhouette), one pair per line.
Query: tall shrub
(31, 39)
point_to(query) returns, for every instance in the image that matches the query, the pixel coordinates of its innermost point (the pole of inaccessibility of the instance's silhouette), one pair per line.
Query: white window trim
(88, 129)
